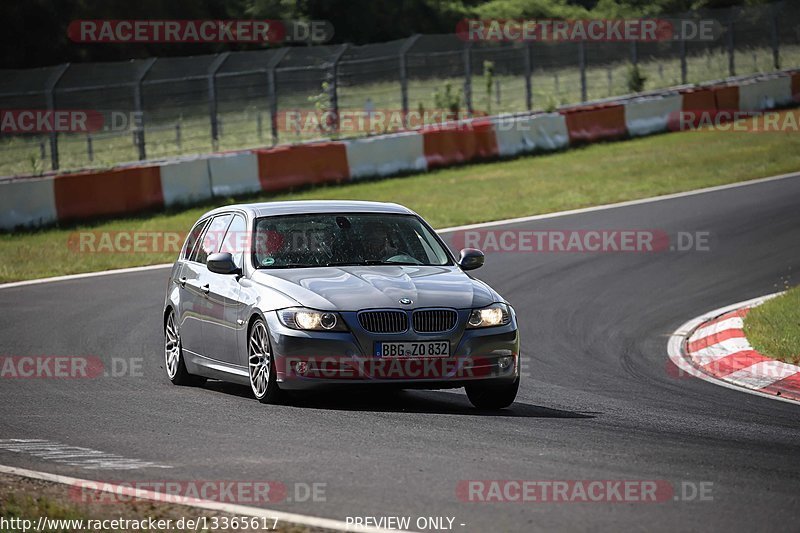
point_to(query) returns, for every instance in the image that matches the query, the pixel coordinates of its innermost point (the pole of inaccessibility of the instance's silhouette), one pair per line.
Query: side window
(211, 238)
(236, 239)
(192, 239)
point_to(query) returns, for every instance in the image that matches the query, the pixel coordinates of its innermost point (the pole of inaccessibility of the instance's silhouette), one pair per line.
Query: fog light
(505, 362)
(301, 367)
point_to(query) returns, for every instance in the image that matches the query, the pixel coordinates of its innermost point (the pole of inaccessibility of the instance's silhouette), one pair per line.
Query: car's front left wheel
(492, 396)
(173, 355)
(262, 365)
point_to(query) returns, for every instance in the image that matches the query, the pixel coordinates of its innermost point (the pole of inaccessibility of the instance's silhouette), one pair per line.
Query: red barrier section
(449, 145)
(699, 100)
(726, 98)
(286, 167)
(110, 192)
(699, 106)
(796, 86)
(595, 123)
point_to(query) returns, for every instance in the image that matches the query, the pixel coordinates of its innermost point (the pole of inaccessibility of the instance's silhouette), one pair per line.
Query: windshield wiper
(287, 265)
(370, 262)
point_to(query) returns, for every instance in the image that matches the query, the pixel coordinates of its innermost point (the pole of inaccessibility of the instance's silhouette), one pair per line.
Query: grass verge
(24, 499)
(774, 327)
(593, 175)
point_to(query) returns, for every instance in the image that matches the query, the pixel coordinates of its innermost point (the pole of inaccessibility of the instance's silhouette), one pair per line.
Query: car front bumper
(312, 359)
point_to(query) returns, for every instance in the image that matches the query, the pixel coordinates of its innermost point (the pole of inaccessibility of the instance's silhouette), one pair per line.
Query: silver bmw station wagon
(286, 296)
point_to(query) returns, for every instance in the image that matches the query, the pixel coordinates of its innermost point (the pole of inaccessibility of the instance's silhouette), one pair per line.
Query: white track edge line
(84, 275)
(310, 521)
(503, 222)
(677, 356)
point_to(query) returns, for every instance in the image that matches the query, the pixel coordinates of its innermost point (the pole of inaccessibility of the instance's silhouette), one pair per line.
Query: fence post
(684, 73)
(138, 107)
(212, 97)
(468, 77)
(334, 87)
(528, 74)
(776, 57)
(582, 63)
(50, 88)
(731, 45)
(404, 76)
(272, 87)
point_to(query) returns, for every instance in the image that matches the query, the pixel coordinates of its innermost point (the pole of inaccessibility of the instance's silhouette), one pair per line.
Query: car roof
(265, 209)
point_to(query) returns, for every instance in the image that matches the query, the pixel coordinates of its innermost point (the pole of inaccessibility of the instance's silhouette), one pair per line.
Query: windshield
(335, 239)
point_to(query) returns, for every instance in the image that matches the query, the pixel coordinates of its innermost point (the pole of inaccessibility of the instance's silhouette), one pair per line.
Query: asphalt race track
(600, 400)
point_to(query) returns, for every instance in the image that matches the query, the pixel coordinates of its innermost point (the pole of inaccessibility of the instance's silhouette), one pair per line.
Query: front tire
(485, 396)
(261, 365)
(173, 355)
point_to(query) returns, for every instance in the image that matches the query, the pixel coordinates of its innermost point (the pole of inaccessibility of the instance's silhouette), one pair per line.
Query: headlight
(494, 315)
(308, 319)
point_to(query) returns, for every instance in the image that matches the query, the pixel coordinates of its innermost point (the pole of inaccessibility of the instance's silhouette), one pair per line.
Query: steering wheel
(403, 258)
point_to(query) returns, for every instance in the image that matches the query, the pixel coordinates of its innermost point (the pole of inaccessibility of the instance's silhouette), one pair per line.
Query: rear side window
(211, 239)
(191, 240)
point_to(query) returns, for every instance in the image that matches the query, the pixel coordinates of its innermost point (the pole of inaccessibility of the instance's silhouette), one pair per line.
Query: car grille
(434, 320)
(383, 321)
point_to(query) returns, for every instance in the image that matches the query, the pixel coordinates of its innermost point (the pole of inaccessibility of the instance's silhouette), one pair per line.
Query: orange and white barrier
(765, 93)
(386, 155)
(119, 191)
(461, 142)
(27, 202)
(288, 167)
(530, 133)
(649, 115)
(186, 182)
(134, 188)
(234, 174)
(593, 123)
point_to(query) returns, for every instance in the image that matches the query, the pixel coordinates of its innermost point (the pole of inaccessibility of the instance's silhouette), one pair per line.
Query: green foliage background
(35, 31)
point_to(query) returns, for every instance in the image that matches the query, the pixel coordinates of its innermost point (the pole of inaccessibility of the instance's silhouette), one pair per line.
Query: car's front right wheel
(492, 396)
(262, 365)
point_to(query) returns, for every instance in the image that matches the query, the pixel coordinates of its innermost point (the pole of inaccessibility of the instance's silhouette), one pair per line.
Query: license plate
(413, 349)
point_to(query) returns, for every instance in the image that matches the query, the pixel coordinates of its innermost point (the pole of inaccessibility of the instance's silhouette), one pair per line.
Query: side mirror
(222, 264)
(470, 259)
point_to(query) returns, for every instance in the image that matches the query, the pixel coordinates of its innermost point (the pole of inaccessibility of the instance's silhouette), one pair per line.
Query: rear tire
(485, 396)
(261, 365)
(173, 355)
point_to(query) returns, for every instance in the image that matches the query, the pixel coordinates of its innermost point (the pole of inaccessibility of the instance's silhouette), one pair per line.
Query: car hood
(353, 288)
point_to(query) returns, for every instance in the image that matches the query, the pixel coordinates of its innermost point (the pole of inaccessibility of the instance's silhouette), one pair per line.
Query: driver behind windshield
(378, 245)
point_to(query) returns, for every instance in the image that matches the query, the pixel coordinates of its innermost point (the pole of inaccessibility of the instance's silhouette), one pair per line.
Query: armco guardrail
(130, 189)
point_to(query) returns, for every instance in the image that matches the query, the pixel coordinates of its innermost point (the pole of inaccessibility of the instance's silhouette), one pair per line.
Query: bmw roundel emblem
(406, 301)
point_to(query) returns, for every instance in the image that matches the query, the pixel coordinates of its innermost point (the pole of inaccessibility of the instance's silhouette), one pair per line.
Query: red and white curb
(713, 347)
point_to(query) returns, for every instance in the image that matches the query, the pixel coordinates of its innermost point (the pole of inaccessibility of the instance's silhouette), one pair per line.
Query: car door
(197, 284)
(190, 300)
(225, 308)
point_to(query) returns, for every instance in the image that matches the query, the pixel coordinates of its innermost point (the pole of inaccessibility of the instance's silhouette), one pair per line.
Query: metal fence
(184, 105)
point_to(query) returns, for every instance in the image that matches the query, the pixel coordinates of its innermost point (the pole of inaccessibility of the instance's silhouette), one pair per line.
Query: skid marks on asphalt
(78, 456)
